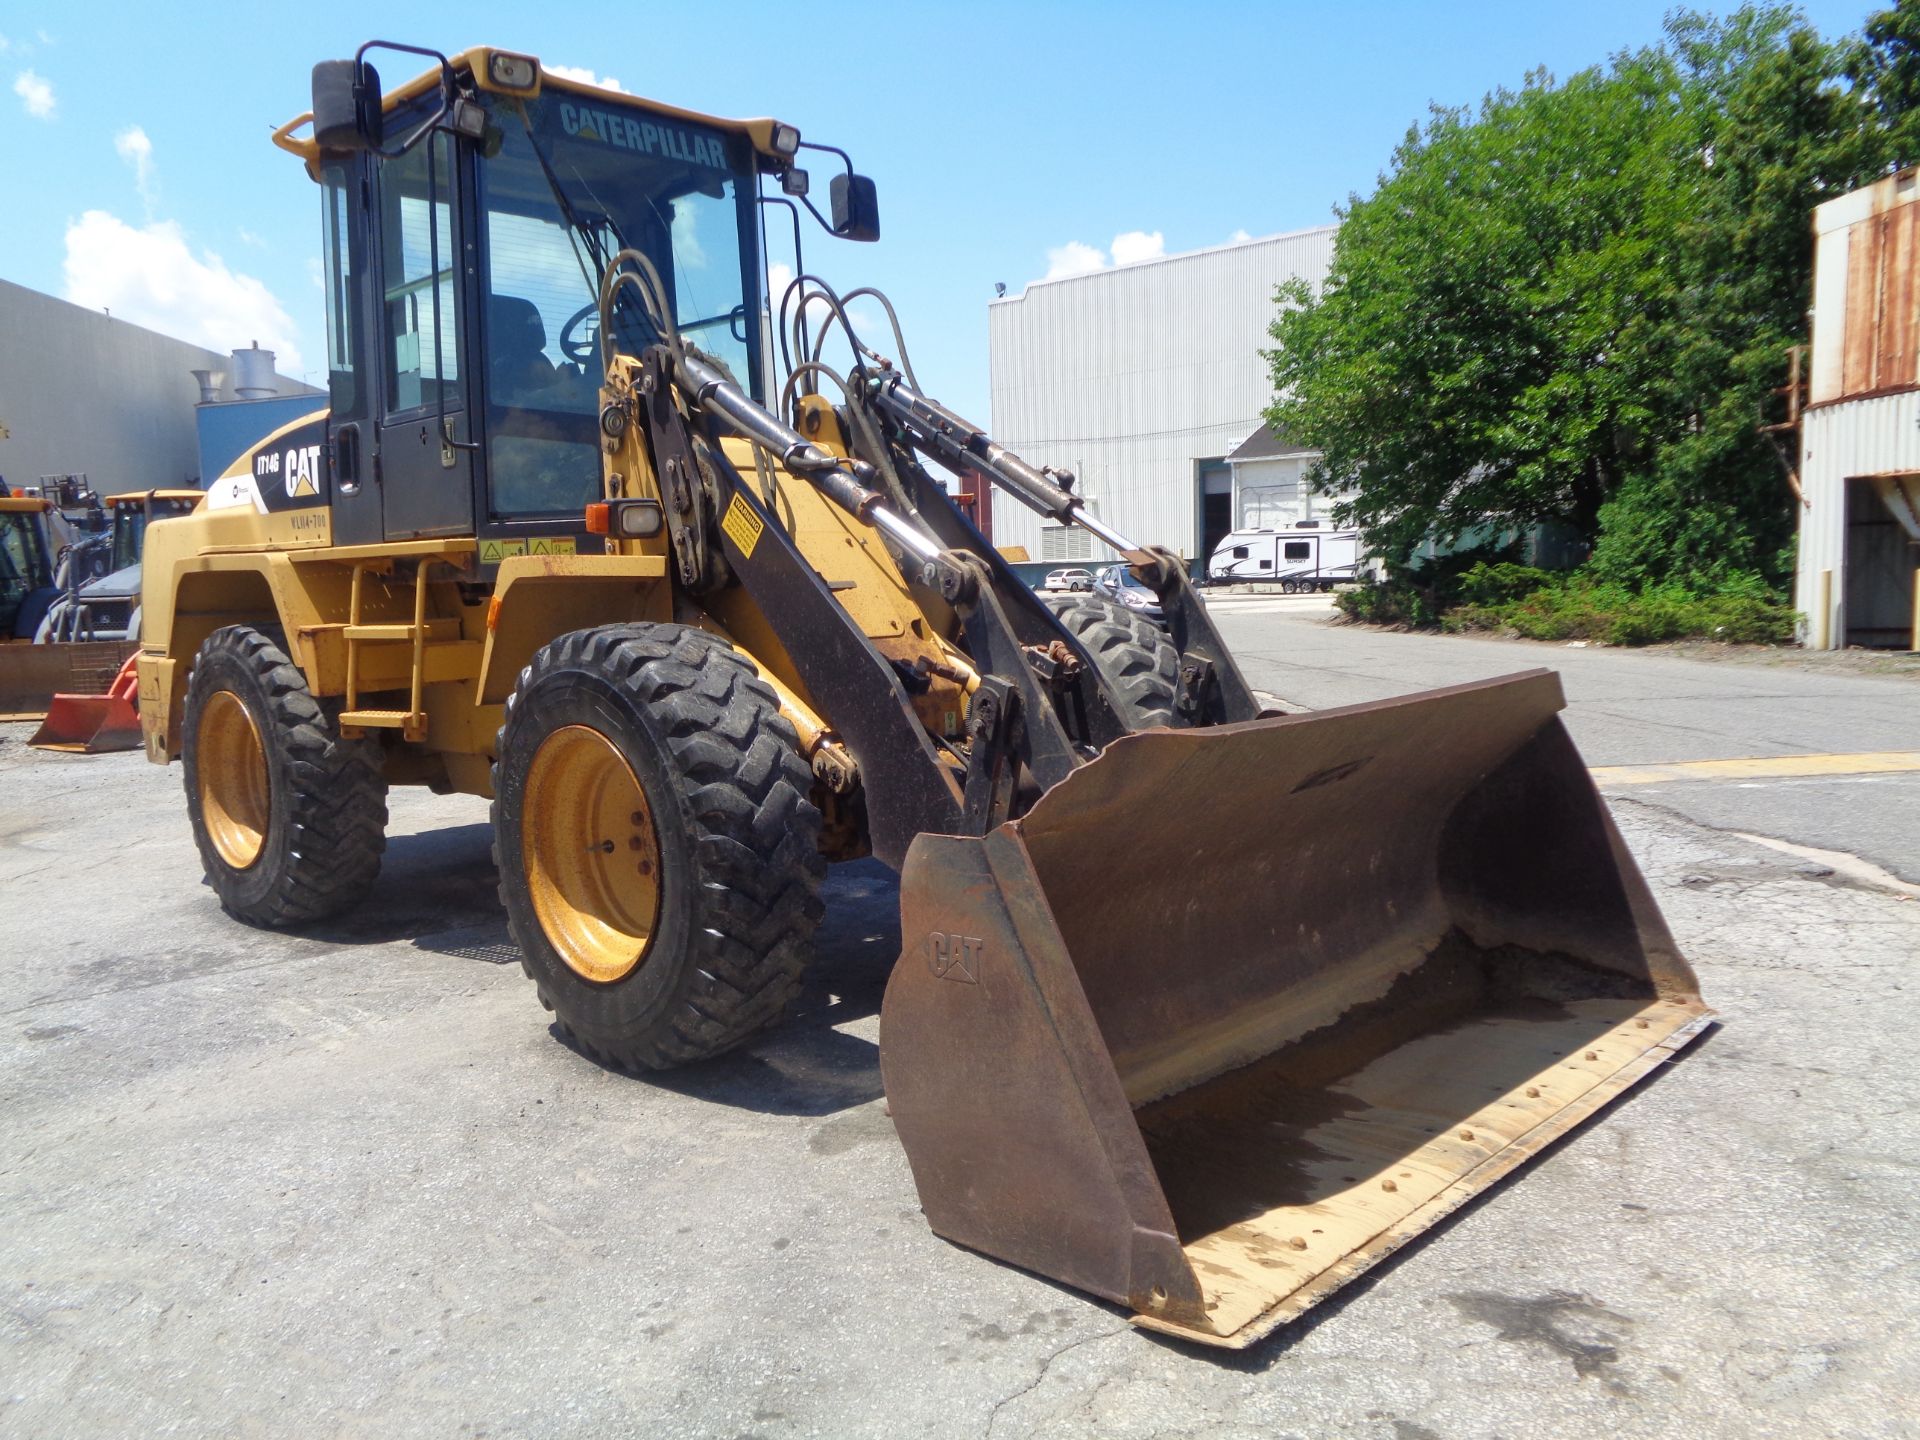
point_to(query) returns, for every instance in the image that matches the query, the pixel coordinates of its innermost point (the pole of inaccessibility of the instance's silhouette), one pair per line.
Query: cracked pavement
(348, 1182)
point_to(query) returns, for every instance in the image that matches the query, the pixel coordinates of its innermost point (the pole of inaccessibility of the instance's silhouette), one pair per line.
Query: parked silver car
(1117, 584)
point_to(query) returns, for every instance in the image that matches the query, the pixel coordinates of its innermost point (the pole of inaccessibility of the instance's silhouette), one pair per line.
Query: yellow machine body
(1207, 1026)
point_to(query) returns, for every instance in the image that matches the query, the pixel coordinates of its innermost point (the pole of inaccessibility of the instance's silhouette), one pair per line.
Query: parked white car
(1071, 578)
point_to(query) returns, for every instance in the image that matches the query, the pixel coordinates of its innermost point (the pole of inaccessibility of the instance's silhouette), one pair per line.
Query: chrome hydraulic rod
(839, 480)
(958, 442)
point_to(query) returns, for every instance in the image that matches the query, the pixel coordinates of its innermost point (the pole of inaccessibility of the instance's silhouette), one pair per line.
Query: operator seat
(516, 342)
(544, 452)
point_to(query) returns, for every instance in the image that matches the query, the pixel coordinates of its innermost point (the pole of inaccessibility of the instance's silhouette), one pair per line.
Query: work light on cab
(515, 74)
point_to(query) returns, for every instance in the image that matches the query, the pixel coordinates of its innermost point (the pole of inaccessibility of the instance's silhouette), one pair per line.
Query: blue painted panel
(229, 429)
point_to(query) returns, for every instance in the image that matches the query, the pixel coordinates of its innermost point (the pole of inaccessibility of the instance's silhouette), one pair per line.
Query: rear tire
(687, 931)
(1135, 655)
(289, 818)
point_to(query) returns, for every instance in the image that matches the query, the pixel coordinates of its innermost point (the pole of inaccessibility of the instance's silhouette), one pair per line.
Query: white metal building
(1143, 380)
(1858, 579)
(1270, 490)
(83, 393)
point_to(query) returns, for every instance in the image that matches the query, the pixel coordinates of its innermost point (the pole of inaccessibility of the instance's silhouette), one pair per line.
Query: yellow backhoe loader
(558, 540)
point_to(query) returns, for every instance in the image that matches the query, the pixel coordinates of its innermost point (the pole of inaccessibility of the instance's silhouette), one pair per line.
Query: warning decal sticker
(743, 527)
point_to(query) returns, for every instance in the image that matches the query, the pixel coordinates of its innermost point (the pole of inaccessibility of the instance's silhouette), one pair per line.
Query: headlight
(786, 141)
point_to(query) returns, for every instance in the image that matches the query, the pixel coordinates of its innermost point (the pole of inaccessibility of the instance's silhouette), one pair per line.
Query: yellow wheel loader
(558, 540)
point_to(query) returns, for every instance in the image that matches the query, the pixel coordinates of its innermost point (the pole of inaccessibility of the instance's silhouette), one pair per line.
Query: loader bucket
(1232, 1014)
(31, 675)
(94, 724)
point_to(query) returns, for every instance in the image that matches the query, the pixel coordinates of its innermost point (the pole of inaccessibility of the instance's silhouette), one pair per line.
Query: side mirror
(856, 207)
(346, 106)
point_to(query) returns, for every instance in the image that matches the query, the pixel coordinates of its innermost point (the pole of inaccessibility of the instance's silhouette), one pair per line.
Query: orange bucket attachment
(93, 724)
(1231, 1014)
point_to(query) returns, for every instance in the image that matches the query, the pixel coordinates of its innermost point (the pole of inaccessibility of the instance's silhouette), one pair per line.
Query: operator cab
(469, 218)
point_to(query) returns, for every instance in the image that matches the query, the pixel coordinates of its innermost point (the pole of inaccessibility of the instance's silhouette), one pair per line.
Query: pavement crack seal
(1046, 1367)
(1540, 1321)
(1860, 874)
(1840, 862)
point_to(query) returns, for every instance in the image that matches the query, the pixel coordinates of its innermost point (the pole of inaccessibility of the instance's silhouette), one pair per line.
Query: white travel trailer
(1307, 557)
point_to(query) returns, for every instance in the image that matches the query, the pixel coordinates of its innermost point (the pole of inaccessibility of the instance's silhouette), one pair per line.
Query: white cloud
(1238, 237)
(870, 324)
(584, 74)
(133, 146)
(1137, 245)
(149, 276)
(1074, 258)
(316, 272)
(688, 253)
(35, 93)
(779, 276)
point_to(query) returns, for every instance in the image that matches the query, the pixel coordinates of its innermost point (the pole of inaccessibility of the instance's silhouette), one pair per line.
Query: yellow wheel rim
(233, 779)
(591, 855)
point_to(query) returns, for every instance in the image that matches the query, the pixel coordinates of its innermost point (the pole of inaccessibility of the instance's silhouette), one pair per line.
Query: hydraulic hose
(835, 478)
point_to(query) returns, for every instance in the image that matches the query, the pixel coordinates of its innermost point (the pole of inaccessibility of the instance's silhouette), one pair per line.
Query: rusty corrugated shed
(1854, 579)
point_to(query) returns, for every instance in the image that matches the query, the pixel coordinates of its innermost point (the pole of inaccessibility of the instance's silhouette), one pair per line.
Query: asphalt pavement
(1628, 707)
(349, 1183)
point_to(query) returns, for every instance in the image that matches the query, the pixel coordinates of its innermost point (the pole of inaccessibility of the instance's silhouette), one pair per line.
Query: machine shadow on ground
(809, 1064)
(438, 891)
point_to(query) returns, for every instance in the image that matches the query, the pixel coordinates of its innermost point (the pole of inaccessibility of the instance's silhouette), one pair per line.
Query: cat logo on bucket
(955, 957)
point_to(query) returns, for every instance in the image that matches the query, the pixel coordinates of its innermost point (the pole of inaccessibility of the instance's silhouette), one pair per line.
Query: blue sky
(137, 171)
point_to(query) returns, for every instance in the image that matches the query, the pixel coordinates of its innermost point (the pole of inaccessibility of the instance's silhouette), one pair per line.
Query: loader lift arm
(1042, 714)
(1214, 692)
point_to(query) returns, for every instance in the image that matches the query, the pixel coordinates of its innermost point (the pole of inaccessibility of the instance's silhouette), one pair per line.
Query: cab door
(423, 276)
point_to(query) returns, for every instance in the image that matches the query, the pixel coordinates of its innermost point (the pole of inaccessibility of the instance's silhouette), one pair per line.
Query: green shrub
(1741, 611)
(1496, 584)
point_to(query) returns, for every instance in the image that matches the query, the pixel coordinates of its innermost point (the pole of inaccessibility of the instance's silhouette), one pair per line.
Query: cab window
(418, 246)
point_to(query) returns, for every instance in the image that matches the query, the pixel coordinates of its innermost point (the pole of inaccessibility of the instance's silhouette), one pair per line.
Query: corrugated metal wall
(83, 393)
(1131, 376)
(1863, 417)
(1841, 442)
(1866, 305)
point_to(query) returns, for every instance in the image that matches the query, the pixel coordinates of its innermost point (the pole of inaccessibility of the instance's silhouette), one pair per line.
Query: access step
(410, 723)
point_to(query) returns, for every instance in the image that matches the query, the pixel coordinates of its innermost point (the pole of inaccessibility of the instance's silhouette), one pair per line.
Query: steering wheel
(580, 342)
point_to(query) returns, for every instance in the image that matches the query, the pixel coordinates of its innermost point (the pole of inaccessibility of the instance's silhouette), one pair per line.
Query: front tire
(658, 855)
(1135, 655)
(290, 819)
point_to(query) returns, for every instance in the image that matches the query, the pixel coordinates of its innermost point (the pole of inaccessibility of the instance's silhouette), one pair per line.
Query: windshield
(129, 524)
(626, 178)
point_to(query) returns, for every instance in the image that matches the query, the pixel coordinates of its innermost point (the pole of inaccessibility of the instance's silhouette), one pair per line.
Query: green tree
(1571, 303)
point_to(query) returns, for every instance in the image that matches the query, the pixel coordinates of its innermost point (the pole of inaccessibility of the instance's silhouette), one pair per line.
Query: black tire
(739, 862)
(326, 801)
(1135, 655)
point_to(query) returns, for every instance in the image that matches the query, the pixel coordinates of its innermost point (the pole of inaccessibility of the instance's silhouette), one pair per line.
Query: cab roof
(472, 65)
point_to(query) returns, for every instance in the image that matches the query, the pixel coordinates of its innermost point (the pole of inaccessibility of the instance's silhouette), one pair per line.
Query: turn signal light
(625, 519)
